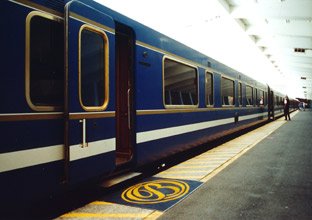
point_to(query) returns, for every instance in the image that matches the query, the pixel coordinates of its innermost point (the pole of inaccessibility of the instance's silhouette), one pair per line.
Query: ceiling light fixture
(299, 50)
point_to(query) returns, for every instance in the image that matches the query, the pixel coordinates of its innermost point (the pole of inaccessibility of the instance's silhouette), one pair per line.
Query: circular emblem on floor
(156, 191)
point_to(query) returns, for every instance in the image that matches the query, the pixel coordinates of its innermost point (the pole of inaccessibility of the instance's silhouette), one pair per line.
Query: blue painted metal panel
(96, 128)
(202, 87)
(27, 188)
(159, 121)
(12, 43)
(92, 167)
(22, 135)
(152, 151)
(148, 79)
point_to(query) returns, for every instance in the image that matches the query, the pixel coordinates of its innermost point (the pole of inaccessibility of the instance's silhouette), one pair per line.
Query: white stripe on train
(31, 157)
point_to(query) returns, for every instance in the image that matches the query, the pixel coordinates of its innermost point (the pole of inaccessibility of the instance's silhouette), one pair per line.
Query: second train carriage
(85, 90)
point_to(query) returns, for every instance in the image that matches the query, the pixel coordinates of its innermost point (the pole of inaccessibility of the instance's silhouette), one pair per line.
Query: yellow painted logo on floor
(155, 191)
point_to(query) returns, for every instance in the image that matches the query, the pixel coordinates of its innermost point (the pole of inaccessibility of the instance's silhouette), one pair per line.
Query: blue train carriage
(86, 91)
(57, 117)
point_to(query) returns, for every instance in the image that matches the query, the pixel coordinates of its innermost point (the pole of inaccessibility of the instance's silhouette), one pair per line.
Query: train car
(86, 92)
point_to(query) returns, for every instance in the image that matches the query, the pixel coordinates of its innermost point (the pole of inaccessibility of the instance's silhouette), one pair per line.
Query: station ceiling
(282, 30)
(270, 40)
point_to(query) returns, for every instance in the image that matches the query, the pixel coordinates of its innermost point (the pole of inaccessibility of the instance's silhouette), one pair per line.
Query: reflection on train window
(209, 89)
(240, 94)
(93, 74)
(45, 61)
(227, 90)
(180, 83)
(249, 95)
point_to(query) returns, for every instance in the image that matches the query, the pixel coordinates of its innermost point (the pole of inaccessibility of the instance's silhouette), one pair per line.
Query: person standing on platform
(286, 108)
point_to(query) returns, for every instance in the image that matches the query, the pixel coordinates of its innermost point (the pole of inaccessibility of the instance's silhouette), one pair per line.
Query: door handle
(84, 133)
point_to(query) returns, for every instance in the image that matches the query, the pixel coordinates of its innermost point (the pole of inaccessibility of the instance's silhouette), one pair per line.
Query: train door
(90, 125)
(270, 104)
(124, 94)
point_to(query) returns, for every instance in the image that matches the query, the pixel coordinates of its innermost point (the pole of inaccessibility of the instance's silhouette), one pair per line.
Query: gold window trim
(163, 82)
(106, 68)
(27, 60)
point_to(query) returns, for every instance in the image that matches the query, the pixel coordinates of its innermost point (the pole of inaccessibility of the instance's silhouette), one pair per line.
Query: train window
(240, 94)
(249, 95)
(44, 62)
(227, 90)
(180, 84)
(93, 69)
(209, 89)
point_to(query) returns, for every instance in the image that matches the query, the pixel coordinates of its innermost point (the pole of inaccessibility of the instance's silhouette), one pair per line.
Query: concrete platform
(271, 181)
(264, 174)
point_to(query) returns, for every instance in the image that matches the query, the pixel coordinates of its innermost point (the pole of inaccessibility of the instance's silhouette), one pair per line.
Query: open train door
(90, 125)
(270, 104)
(125, 111)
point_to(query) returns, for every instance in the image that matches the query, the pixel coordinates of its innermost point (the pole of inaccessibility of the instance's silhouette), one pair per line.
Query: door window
(93, 68)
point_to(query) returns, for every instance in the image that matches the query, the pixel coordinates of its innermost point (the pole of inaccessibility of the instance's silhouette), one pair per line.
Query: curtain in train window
(227, 90)
(92, 77)
(45, 74)
(180, 83)
(209, 89)
(249, 95)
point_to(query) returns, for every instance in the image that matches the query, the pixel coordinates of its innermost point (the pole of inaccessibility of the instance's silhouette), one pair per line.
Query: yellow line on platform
(184, 171)
(183, 177)
(154, 215)
(103, 215)
(195, 166)
(101, 203)
(207, 162)
(271, 128)
(213, 157)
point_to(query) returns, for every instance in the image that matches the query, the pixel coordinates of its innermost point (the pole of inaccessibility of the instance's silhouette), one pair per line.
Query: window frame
(169, 106)
(227, 78)
(28, 60)
(106, 68)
